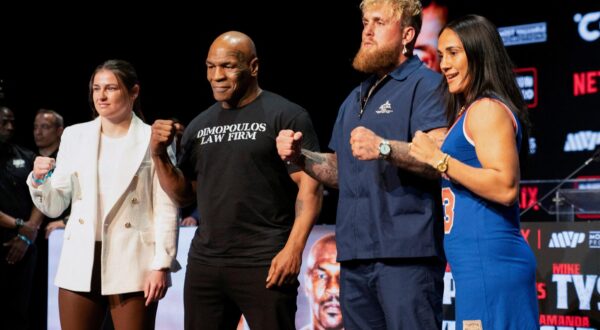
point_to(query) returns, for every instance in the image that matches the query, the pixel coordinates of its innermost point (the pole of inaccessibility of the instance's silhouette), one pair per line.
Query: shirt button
(134, 200)
(127, 225)
(81, 221)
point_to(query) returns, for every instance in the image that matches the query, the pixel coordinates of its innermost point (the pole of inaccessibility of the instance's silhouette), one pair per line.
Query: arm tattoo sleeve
(321, 166)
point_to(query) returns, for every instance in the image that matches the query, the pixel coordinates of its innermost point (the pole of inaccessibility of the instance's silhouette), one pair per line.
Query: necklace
(460, 112)
(366, 98)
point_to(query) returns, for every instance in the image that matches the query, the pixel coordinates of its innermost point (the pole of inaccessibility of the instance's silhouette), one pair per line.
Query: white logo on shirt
(18, 163)
(385, 108)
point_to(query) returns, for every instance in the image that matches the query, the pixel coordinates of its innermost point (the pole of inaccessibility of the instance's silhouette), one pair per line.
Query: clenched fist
(364, 143)
(41, 167)
(289, 144)
(425, 149)
(163, 133)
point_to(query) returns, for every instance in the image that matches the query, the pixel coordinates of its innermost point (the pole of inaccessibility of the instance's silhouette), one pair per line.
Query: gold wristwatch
(442, 165)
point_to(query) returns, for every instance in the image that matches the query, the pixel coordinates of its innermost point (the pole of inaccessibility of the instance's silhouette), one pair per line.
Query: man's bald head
(237, 42)
(232, 70)
(7, 124)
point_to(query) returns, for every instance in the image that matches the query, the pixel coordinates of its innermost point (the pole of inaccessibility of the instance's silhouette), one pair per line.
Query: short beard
(372, 61)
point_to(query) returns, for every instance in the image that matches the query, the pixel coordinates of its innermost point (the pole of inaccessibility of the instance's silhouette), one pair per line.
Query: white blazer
(139, 233)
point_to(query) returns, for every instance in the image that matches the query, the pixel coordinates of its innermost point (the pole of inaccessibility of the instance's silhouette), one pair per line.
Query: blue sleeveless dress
(492, 265)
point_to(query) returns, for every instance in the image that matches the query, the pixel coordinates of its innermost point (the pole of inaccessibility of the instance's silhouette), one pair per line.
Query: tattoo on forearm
(321, 166)
(316, 157)
(402, 159)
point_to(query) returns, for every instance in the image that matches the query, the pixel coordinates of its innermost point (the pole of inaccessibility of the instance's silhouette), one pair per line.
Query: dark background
(305, 48)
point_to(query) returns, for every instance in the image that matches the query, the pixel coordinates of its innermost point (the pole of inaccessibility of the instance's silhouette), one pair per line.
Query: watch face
(442, 167)
(384, 149)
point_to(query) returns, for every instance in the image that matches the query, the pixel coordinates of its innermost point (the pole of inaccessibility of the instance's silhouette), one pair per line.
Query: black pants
(215, 297)
(16, 282)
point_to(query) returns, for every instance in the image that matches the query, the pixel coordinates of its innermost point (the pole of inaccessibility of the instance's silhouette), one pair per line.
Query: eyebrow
(453, 47)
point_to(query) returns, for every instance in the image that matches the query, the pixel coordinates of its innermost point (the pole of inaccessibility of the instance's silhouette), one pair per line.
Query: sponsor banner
(567, 277)
(586, 82)
(582, 141)
(588, 25)
(523, 34)
(528, 83)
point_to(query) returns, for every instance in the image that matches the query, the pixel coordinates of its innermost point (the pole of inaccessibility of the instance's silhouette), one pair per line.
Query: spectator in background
(322, 285)
(47, 130)
(19, 223)
(48, 126)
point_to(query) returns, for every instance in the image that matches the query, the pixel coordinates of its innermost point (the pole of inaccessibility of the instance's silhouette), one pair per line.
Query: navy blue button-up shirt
(385, 211)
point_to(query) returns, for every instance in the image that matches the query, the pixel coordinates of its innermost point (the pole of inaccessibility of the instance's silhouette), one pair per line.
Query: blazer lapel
(136, 147)
(88, 171)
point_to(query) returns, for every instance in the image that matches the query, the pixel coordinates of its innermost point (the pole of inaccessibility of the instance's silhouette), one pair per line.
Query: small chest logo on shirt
(232, 132)
(385, 108)
(18, 163)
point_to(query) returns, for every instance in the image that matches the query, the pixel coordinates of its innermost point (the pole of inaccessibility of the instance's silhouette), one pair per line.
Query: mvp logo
(566, 239)
(582, 141)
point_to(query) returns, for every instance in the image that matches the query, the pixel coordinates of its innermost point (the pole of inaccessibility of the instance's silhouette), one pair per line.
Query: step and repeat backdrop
(568, 279)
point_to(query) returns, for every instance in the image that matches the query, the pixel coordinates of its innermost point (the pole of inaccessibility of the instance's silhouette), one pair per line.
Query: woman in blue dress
(492, 265)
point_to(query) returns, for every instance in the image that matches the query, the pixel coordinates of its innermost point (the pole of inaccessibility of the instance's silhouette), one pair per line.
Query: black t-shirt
(15, 165)
(244, 191)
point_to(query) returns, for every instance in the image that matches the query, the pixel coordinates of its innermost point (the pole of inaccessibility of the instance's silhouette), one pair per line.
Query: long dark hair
(490, 69)
(127, 77)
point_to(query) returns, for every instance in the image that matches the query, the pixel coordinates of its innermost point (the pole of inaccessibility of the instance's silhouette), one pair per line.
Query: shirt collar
(405, 69)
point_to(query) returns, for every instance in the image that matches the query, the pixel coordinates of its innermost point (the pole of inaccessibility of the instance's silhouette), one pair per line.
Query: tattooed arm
(320, 166)
(365, 146)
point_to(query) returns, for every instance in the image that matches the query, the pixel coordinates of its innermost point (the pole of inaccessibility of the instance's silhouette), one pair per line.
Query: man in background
(19, 223)
(48, 127)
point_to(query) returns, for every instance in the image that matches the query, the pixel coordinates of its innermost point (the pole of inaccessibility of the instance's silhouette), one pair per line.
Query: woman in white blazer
(121, 239)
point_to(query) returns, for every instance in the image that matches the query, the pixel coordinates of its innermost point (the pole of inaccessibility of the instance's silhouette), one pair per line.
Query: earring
(404, 50)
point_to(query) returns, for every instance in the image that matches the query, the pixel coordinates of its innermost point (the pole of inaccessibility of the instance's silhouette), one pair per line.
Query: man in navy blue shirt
(389, 230)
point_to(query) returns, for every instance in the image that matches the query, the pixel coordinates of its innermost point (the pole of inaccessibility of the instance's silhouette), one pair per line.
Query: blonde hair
(407, 12)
